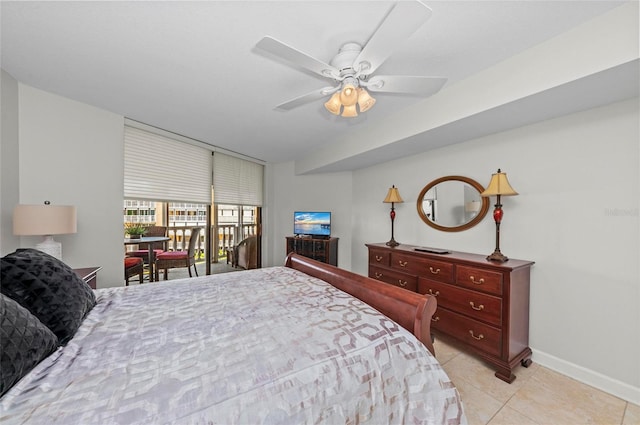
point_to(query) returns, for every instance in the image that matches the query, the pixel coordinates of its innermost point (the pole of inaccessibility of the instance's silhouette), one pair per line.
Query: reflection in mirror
(452, 203)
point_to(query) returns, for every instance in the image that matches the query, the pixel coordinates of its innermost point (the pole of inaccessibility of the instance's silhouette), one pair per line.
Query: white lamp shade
(44, 220)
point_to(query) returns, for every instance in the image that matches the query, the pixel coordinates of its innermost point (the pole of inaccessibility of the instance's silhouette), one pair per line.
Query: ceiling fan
(353, 68)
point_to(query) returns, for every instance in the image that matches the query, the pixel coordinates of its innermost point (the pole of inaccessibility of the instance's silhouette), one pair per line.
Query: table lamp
(393, 197)
(45, 220)
(472, 207)
(498, 186)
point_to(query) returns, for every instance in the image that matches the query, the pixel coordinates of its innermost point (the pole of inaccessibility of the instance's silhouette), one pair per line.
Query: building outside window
(231, 223)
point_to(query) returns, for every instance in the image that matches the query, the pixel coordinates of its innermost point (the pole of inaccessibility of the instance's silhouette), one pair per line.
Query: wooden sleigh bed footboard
(410, 310)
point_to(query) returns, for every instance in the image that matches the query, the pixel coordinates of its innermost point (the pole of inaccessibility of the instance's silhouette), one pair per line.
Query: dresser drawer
(432, 269)
(478, 335)
(394, 278)
(479, 279)
(380, 258)
(476, 305)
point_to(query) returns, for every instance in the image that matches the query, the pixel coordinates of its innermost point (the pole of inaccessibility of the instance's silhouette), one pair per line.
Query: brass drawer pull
(473, 306)
(435, 294)
(379, 258)
(479, 337)
(402, 263)
(378, 275)
(479, 282)
(402, 283)
(436, 271)
(435, 319)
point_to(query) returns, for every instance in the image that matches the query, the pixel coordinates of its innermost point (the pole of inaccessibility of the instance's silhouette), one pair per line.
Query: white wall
(576, 217)
(287, 193)
(8, 161)
(71, 153)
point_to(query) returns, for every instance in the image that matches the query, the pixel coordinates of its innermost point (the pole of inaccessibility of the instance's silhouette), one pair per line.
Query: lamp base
(497, 256)
(51, 247)
(392, 243)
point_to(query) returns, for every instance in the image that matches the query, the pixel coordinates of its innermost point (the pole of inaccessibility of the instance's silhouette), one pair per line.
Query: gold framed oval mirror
(452, 203)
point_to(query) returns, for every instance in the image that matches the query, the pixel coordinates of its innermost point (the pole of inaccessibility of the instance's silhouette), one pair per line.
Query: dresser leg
(506, 375)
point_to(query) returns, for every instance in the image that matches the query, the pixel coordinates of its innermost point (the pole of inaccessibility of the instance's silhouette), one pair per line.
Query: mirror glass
(452, 203)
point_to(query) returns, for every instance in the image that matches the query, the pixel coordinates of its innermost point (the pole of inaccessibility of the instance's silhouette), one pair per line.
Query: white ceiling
(191, 67)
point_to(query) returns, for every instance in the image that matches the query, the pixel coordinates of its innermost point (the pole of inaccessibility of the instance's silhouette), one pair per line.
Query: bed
(301, 343)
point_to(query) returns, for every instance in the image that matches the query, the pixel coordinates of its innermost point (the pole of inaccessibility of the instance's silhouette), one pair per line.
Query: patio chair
(245, 254)
(133, 266)
(177, 259)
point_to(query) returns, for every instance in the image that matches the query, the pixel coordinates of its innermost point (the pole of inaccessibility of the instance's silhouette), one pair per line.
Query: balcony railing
(179, 238)
(228, 235)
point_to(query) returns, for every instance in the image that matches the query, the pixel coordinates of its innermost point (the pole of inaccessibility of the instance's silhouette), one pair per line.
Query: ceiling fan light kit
(354, 66)
(345, 101)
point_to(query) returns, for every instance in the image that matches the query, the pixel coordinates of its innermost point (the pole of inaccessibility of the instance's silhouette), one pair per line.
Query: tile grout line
(513, 395)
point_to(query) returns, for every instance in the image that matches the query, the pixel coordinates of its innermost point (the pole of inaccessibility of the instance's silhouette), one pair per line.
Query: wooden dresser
(482, 305)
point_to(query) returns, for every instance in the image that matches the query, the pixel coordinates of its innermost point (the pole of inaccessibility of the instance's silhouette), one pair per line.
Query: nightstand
(88, 274)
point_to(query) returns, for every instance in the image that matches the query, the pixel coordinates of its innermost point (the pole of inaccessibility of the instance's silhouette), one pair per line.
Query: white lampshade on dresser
(45, 220)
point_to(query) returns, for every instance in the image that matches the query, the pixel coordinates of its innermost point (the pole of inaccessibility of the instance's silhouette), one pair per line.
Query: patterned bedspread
(254, 347)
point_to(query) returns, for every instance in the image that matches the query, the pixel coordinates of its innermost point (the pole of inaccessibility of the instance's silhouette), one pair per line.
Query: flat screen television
(312, 223)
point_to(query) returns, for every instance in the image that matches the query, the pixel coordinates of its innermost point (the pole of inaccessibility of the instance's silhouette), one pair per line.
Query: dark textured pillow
(25, 342)
(48, 288)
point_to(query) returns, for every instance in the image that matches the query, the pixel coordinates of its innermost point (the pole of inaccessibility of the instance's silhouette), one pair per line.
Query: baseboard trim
(597, 380)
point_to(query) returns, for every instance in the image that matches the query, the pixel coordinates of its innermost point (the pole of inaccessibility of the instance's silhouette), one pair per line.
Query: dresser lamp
(472, 208)
(393, 197)
(45, 220)
(498, 186)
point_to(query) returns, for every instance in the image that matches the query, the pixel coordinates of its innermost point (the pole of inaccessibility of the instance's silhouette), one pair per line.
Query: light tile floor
(180, 273)
(538, 396)
(221, 267)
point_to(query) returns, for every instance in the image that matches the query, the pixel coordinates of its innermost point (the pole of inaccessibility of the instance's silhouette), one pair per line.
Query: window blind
(159, 168)
(236, 181)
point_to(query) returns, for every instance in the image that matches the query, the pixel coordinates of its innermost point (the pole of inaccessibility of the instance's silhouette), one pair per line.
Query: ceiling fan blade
(419, 86)
(401, 22)
(296, 57)
(306, 98)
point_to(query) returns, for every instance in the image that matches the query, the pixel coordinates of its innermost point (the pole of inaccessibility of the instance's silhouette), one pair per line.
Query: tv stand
(320, 248)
